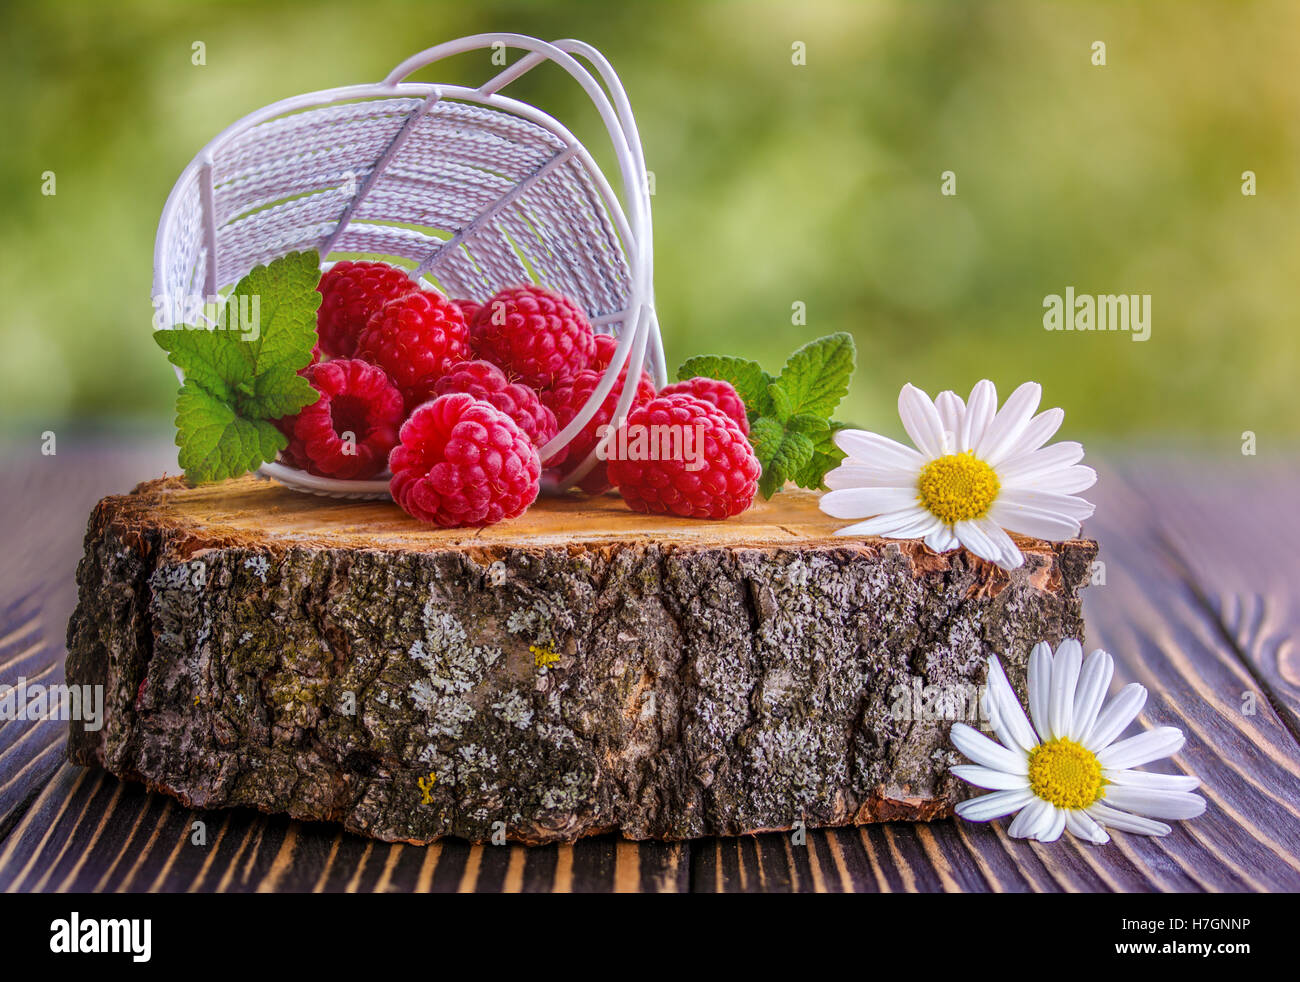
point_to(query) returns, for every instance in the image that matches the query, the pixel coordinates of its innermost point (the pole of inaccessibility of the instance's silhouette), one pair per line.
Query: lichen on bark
(694, 689)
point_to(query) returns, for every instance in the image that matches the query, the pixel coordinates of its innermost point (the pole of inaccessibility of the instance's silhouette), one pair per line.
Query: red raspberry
(726, 471)
(716, 391)
(355, 398)
(415, 339)
(567, 398)
(483, 380)
(462, 461)
(606, 344)
(351, 292)
(468, 309)
(534, 334)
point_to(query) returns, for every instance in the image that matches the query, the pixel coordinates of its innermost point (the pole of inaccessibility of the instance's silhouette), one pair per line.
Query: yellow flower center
(957, 487)
(1065, 773)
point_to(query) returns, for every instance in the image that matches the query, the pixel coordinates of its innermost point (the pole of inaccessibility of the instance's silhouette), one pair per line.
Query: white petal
(1011, 556)
(982, 750)
(1031, 499)
(990, 806)
(1163, 741)
(917, 528)
(1114, 819)
(1040, 688)
(1081, 824)
(1149, 779)
(941, 540)
(1116, 717)
(855, 475)
(865, 502)
(987, 777)
(1035, 816)
(1094, 680)
(911, 524)
(951, 410)
(1011, 716)
(1067, 480)
(976, 540)
(885, 524)
(1040, 429)
(864, 447)
(1152, 803)
(1065, 678)
(921, 420)
(1054, 458)
(1000, 439)
(1053, 831)
(980, 409)
(1032, 522)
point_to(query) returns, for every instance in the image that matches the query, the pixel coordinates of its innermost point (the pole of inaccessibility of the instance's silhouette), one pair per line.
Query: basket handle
(616, 113)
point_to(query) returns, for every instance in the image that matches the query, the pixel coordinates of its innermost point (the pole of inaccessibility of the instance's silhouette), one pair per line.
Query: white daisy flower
(1066, 771)
(976, 473)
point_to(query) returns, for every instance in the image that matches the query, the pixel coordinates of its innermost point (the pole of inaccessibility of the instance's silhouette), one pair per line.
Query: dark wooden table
(1199, 604)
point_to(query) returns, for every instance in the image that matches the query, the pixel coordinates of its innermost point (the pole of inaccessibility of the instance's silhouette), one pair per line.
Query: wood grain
(1229, 532)
(1197, 605)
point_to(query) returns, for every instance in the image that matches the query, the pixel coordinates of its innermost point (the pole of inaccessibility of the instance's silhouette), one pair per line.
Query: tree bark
(583, 669)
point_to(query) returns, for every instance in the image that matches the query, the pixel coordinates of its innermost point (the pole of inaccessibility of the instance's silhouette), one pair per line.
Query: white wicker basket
(499, 193)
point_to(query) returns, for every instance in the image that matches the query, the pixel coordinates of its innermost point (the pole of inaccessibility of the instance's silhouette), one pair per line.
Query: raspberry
(725, 474)
(415, 339)
(605, 345)
(604, 352)
(355, 398)
(462, 461)
(350, 293)
(566, 399)
(535, 334)
(716, 391)
(483, 380)
(468, 309)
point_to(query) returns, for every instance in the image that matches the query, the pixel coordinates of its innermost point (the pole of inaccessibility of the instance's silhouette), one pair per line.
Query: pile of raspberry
(457, 399)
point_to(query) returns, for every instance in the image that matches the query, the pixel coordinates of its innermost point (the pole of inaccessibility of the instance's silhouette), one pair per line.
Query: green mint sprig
(243, 373)
(790, 424)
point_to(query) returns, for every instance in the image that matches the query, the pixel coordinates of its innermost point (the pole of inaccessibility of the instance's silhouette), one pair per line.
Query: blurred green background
(775, 183)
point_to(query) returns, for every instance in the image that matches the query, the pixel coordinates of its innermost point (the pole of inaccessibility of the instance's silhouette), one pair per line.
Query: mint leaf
(781, 405)
(282, 298)
(280, 392)
(746, 377)
(826, 456)
(814, 426)
(243, 373)
(817, 376)
(206, 359)
(782, 454)
(215, 442)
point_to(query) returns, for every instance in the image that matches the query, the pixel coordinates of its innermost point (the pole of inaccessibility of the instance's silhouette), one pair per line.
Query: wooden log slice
(580, 670)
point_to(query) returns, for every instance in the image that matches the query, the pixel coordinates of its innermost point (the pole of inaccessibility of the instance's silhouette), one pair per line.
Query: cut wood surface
(1200, 566)
(583, 669)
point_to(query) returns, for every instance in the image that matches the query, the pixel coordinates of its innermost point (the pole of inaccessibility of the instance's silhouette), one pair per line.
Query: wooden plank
(1230, 530)
(47, 499)
(1179, 555)
(1150, 618)
(30, 750)
(88, 831)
